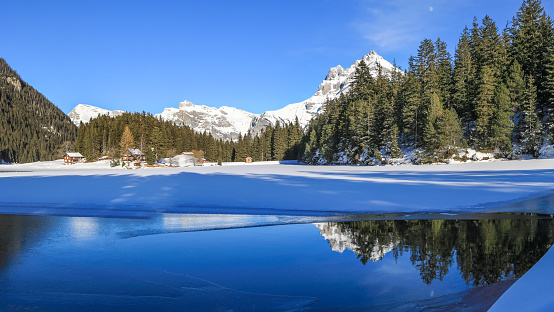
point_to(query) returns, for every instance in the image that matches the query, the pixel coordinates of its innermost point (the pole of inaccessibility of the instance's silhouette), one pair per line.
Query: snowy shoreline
(477, 187)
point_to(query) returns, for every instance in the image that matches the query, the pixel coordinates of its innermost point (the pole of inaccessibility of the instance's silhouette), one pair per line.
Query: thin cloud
(391, 26)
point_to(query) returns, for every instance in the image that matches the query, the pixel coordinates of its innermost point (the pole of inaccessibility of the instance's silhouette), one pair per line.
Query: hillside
(31, 127)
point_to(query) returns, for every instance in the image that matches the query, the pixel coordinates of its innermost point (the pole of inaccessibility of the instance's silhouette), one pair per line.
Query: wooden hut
(71, 158)
(133, 157)
(248, 160)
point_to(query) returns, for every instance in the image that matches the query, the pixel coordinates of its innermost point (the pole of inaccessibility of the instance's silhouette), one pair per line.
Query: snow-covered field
(279, 189)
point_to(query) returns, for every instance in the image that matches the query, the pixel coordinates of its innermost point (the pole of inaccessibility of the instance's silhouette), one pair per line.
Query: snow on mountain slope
(336, 82)
(229, 122)
(85, 113)
(224, 122)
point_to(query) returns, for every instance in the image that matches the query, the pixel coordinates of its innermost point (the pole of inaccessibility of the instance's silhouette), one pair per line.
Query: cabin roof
(75, 155)
(135, 152)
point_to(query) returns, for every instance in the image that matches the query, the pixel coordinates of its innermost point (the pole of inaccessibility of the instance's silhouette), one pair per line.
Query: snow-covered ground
(280, 189)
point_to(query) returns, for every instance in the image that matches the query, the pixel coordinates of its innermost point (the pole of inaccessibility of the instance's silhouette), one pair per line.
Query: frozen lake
(262, 263)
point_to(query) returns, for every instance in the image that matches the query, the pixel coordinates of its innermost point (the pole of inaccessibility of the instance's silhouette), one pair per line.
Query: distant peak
(186, 103)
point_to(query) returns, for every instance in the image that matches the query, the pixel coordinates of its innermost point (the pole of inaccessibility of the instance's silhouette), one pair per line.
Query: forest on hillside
(31, 127)
(159, 139)
(495, 95)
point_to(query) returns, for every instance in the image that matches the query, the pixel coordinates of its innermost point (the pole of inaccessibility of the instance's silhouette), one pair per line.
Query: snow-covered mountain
(224, 122)
(229, 122)
(85, 113)
(336, 82)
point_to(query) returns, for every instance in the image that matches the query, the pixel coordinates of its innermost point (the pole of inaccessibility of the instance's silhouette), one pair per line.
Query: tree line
(495, 95)
(104, 136)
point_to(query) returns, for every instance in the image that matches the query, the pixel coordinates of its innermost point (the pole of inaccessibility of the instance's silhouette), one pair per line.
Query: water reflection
(110, 263)
(16, 235)
(485, 251)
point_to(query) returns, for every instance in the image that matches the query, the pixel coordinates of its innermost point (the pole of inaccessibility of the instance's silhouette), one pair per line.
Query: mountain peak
(84, 113)
(229, 123)
(186, 103)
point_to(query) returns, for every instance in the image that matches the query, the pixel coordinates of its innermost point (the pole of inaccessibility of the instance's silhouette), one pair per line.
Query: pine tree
(530, 136)
(432, 140)
(444, 72)
(362, 86)
(413, 113)
(502, 124)
(549, 87)
(531, 35)
(485, 107)
(442, 129)
(451, 132)
(464, 82)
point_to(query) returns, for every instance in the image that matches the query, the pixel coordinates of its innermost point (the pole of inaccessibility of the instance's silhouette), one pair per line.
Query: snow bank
(278, 189)
(533, 291)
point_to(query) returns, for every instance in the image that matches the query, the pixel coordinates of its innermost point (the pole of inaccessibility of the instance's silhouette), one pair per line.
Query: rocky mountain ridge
(229, 123)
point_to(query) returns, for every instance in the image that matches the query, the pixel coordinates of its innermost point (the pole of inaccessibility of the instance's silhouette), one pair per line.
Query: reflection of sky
(83, 227)
(193, 222)
(291, 260)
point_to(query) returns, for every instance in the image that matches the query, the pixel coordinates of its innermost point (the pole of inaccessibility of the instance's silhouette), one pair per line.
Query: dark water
(91, 264)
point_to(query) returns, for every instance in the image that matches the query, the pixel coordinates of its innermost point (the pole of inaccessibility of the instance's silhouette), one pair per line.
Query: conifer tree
(463, 82)
(531, 35)
(432, 140)
(530, 136)
(485, 108)
(502, 124)
(413, 113)
(549, 86)
(442, 129)
(444, 72)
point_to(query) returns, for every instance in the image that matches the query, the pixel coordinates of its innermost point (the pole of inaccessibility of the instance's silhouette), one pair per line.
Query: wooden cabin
(248, 160)
(133, 157)
(71, 158)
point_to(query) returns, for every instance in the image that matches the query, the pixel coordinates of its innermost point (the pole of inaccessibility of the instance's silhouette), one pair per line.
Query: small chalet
(71, 158)
(133, 156)
(248, 160)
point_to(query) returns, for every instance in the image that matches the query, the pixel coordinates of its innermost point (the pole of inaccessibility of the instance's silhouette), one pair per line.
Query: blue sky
(254, 55)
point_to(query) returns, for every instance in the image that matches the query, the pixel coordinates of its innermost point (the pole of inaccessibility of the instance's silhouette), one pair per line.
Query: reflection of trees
(17, 233)
(485, 251)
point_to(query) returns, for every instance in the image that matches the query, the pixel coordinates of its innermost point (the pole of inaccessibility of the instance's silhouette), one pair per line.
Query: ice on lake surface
(240, 263)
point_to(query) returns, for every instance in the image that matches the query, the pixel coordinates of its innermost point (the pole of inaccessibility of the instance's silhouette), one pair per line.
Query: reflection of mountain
(340, 239)
(485, 251)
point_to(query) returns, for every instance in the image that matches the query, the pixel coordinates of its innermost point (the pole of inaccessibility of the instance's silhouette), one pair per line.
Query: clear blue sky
(254, 55)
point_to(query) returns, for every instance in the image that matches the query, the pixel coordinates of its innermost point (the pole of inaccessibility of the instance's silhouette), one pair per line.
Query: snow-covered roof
(135, 151)
(74, 155)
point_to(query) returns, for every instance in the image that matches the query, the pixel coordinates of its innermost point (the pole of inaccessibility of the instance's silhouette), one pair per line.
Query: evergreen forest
(31, 127)
(158, 139)
(496, 95)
